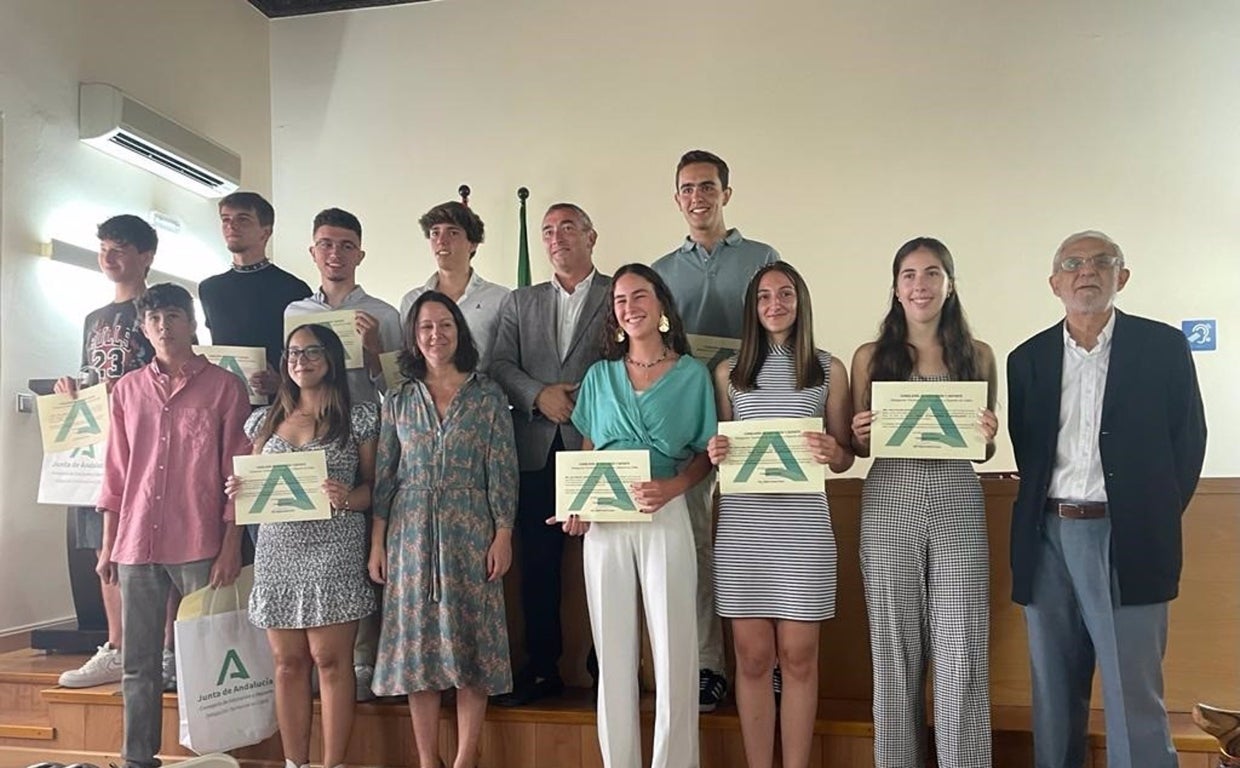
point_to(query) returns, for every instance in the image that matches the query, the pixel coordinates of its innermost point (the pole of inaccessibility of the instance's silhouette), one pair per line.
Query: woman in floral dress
(445, 500)
(310, 585)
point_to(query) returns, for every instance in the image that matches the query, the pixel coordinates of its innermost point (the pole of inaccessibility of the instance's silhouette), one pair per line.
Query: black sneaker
(712, 687)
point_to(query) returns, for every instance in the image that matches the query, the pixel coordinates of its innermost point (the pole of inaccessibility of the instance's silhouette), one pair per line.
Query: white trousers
(656, 558)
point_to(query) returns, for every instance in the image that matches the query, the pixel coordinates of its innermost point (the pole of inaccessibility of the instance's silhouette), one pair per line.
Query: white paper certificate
(72, 477)
(389, 364)
(711, 350)
(595, 485)
(927, 419)
(281, 487)
(242, 362)
(343, 322)
(770, 456)
(74, 422)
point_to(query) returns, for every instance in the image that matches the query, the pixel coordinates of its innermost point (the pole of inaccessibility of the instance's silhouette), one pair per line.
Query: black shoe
(712, 687)
(528, 689)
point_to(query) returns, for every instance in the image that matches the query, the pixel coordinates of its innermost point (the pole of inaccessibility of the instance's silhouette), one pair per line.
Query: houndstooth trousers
(926, 566)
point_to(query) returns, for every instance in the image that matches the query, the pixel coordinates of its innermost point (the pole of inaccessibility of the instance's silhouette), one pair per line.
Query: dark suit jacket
(1152, 438)
(525, 358)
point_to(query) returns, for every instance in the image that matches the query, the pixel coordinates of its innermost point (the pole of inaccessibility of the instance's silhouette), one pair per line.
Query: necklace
(255, 267)
(652, 364)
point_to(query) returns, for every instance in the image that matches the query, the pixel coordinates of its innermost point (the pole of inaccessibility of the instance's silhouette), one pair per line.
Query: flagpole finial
(463, 191)
(523, 193)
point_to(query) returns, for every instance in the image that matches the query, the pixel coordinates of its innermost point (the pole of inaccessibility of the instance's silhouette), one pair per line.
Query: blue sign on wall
(1202, 335)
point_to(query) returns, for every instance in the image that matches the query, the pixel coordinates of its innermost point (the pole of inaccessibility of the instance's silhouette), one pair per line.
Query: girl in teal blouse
(646, 393)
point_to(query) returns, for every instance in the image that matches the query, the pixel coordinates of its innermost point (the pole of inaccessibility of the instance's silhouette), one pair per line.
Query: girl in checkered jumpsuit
(924, 554)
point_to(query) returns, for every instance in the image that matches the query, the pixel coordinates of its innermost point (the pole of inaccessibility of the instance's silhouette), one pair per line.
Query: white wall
(850, 127)
(204, 63)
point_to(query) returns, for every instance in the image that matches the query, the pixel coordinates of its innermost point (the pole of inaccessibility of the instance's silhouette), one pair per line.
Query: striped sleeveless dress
(775, 555)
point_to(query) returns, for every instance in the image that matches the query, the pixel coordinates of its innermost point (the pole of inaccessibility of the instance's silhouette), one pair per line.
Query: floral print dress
(313, 573)
(445, 488)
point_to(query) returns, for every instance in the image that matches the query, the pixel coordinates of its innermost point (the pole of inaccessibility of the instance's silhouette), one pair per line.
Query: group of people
(400, 593)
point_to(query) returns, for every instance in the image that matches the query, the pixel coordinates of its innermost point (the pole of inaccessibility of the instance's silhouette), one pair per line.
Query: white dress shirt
(479, 305)
(568, 310)
(1078, 463)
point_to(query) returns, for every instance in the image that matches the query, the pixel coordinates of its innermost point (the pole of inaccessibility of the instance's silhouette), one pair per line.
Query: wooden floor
(40, 721)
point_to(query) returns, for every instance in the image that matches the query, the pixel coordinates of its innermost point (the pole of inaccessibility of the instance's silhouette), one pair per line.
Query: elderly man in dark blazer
(1109, 431)
(548, 335)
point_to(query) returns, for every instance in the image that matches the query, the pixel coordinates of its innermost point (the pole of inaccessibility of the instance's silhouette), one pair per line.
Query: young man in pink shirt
(176, 424)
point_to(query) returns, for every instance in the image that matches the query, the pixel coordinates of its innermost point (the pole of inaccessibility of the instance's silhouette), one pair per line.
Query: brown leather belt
(1083, 510)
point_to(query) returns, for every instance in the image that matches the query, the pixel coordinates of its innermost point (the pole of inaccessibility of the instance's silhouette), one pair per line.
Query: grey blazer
(525, 358)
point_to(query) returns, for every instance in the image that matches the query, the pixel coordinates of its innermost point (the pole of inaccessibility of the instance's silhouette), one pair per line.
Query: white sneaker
(102, 668)
(170, 670)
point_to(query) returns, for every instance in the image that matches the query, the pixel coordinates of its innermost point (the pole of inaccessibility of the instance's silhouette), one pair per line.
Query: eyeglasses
(311, 354)
(1100, 261)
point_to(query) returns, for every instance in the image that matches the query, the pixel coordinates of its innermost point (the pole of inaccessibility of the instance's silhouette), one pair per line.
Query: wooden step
(31, 729)
(36, 667)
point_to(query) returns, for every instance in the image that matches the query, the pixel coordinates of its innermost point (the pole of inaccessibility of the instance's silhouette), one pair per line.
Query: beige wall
(203, 62)
(850, 127)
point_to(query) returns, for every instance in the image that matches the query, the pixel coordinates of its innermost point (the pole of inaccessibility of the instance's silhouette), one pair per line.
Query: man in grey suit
(548, 335)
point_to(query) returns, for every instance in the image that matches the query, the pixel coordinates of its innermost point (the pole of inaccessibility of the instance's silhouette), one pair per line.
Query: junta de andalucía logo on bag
(233, 678)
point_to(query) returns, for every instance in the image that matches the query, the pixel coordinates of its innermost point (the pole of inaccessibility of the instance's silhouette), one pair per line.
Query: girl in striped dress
(775, 557)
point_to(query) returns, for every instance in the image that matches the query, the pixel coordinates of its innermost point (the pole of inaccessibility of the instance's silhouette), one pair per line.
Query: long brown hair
(755, 345)
(675, 339)
(893, 357)
(334, 418)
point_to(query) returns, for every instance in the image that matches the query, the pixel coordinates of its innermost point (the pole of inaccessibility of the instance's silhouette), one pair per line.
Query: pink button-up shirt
(169, 450)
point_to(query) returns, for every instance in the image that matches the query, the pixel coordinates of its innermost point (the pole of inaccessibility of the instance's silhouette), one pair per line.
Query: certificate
(72, 477)
(389, 363)
(281, 487)
(594, 485)
(74, 422)
(343, 322)
(242, 362)
(711, 350)
(770, 456)
(927, 419)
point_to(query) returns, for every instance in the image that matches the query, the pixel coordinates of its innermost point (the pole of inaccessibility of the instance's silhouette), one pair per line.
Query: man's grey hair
(1089, 234)
(577, 209)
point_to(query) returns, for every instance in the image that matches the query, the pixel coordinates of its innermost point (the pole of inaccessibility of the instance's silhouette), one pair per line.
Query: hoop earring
(620, 337)
(664, 324)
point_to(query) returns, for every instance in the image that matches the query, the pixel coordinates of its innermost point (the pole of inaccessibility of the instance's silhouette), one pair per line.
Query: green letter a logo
(618, 500)
(948, 434)
(90, 425)
(230, 364)
(297, 498)
(772, 441)
(232, 668)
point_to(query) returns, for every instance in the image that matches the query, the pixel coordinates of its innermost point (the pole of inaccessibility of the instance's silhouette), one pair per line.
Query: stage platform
(41, 721)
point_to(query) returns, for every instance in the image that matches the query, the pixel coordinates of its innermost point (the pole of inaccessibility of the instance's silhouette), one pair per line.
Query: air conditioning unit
(125, 128)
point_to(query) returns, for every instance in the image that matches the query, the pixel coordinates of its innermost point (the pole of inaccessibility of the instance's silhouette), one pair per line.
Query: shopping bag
(225, 671)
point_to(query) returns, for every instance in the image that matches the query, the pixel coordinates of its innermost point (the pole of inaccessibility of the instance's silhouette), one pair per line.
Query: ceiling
(274, 9)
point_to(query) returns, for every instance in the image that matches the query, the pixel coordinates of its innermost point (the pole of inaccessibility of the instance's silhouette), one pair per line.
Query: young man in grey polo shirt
(708, 275)
(337, 252)
(455, 232)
